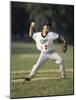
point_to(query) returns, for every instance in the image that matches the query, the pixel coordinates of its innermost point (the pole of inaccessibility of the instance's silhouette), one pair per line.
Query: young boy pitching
(44, 42)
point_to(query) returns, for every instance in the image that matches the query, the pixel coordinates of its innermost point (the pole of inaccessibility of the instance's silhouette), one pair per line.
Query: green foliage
(61, 17)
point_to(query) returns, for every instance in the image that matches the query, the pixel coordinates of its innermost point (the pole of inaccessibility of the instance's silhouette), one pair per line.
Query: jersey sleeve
(54, 35)
(34, 36)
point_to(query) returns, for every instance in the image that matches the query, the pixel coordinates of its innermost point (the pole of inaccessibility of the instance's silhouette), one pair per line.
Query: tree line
(60, 17)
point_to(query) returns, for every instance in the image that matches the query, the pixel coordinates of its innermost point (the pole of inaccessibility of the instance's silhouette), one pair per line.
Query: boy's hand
(32, 24)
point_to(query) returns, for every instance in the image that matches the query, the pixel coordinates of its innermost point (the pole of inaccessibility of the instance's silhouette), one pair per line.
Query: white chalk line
(34, 79)
(45, 71)
(42, 78)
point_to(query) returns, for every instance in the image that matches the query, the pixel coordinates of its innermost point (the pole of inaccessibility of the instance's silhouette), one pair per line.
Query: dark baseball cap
(45, 22)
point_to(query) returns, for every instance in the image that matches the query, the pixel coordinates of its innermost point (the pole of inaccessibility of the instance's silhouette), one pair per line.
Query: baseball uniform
(45, 45)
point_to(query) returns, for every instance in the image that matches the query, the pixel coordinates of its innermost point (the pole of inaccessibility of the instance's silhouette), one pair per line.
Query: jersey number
(45, 46)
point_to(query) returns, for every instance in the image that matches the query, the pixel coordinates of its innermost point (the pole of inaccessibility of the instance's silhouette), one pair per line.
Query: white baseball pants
(44, 57)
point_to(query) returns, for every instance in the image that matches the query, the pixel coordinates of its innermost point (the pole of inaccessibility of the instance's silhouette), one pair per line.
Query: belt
(48, 52)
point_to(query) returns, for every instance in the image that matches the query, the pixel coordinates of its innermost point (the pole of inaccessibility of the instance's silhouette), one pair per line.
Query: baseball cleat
(62, 76)
(27, 79)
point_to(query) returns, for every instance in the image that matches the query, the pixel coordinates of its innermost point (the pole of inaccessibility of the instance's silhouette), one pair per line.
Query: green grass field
(47, 81)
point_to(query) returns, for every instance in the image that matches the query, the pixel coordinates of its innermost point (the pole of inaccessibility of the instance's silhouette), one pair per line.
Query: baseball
(33, 24)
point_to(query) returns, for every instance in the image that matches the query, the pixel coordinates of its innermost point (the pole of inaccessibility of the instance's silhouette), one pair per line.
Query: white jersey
(45, 43)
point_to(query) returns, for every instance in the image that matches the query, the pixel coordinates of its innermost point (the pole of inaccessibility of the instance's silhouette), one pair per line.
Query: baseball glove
(64, 47)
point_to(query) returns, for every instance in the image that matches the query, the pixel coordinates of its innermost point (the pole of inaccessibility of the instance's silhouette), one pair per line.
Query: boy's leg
(58, 59)
(39, 63)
